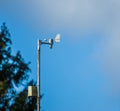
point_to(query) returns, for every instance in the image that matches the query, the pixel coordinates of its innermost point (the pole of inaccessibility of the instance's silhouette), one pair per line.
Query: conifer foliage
(14, 73)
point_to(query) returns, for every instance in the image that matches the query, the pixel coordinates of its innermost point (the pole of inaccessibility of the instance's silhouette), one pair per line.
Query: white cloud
(63, 14)
(108, 52)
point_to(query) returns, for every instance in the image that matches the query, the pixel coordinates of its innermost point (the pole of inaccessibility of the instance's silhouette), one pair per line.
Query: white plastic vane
(57, 38)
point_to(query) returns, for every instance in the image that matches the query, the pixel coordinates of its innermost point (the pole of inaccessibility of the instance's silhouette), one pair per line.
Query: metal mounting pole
(49, 42)
(38, 76)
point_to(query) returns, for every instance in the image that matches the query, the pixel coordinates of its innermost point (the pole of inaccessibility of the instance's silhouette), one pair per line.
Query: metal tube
(38, 76)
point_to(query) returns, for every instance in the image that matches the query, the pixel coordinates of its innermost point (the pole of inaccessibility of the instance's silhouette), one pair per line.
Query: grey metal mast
(50, 43)
(38, 76)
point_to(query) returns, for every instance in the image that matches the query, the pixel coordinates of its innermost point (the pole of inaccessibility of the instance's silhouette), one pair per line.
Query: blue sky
(82, 72)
